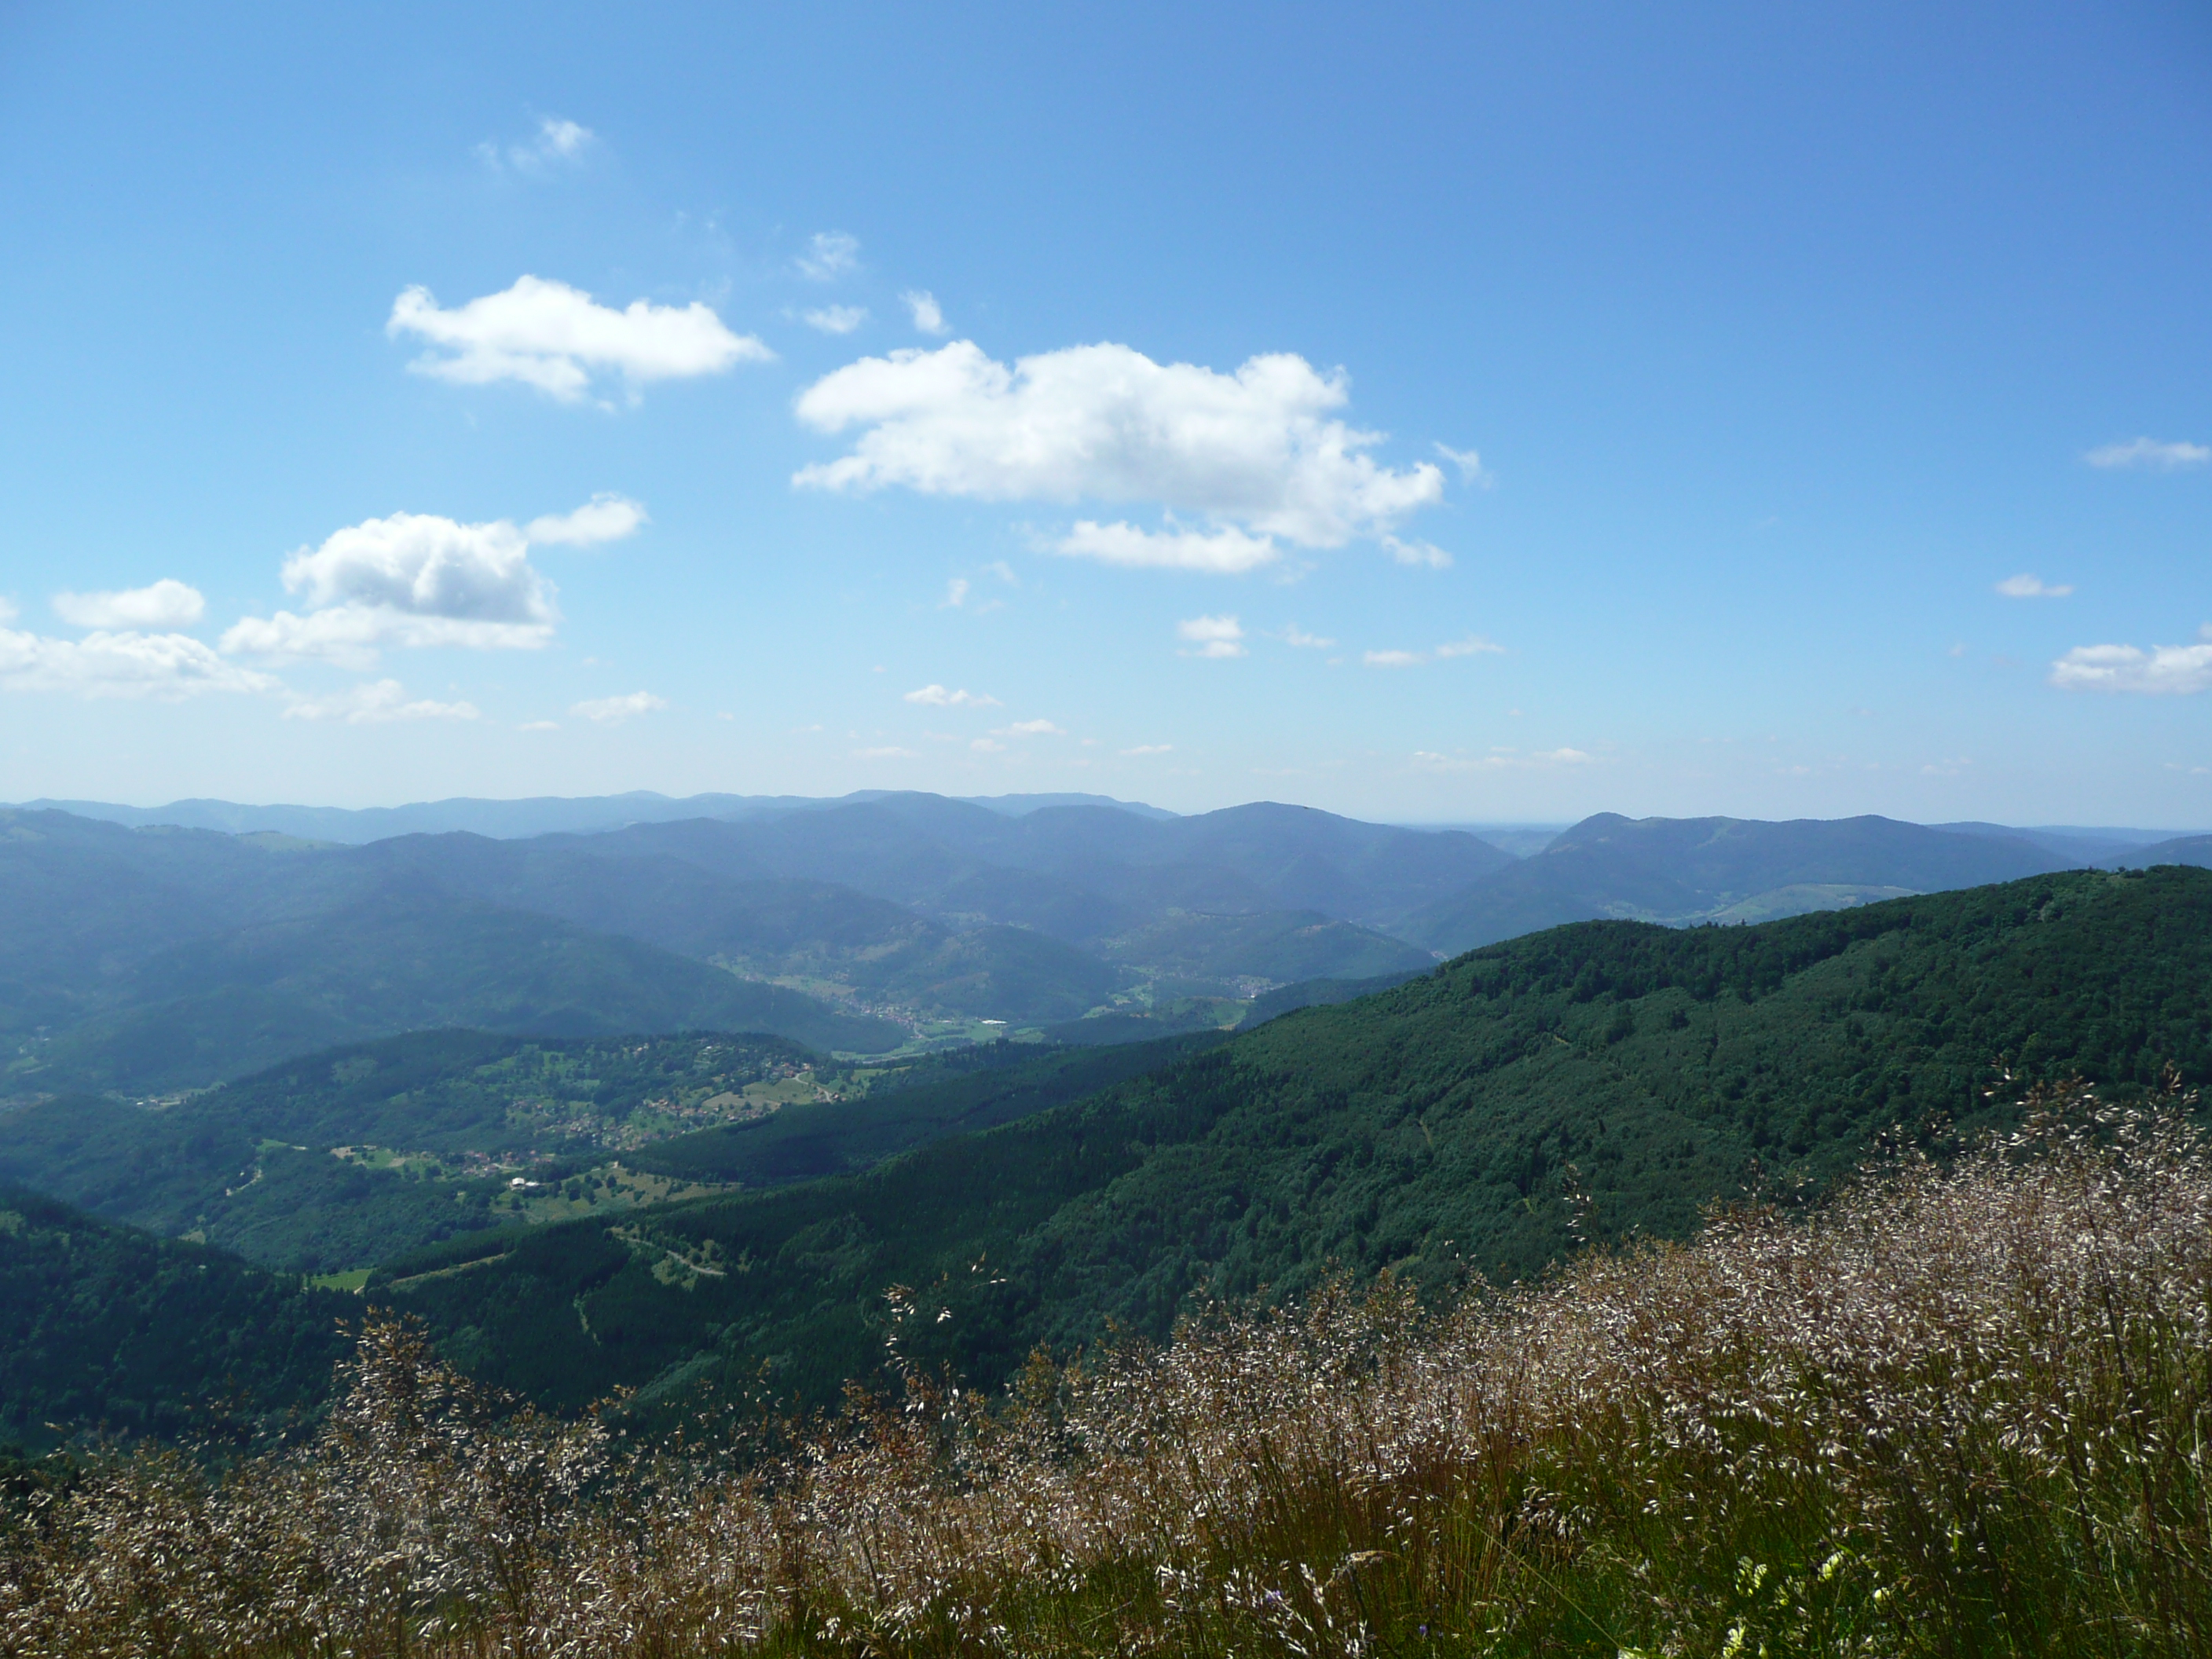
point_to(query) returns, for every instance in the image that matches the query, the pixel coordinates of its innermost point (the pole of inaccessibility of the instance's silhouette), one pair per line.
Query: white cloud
(166, 603)
(613, 711)
(375, 703)
(936, 696)
(604, 518)
(413, 580)
(1257, 449)
(1472, 645)
(2151, 453)
(956, 593)
(1469, 465)
(1215, 637)
(1226, 552)
(837, 320)
(2026, 586)
(1316, 642)
(2169, 668)
(1393, 659)
(166, 666)
(1031, 729)
(1419, 553)
(556, 141)
(891, 752)
(986, 745)
(830, 254)
(1150, 749)
(921, 304)
(539, 726)
(555, 338)
(1502, 760)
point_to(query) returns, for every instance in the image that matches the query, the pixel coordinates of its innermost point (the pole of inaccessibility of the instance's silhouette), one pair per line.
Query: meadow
(1953, 1409)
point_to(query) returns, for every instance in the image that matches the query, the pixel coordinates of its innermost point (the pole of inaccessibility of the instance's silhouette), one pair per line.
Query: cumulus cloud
(2026, 586)
(1293, 636)
(376, 703)
(556, 142)
(1393, 659)
(1259, 450)
(921, 306)
(1418, 553)
(555, 338)
(165, 666)
(2149, 452)
(837, 319)
(166, 603)
(936, 696)
(1215, 636)
(613, 711)
(2163, 669)
(413, 580)
(1150, 749)
(1226, 552)
(830, 254)
(604, 518)
(1473, 644)
(1031, 729)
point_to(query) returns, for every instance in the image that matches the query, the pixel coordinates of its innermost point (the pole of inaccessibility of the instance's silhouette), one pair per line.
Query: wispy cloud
(167, 667)
(556, 338)
(2149, 453)
(1469, 465)
(889, 752)
(556, 143)
(1393, 659)
(1031, 729)
(837, 320)
(2024, 586)
(1150, 749)
(1472, 645)
(1214, 636)
(613, 711)
(377, 703)
(956, 594)
(163, 604)
(1293, 636)
(2164, 670)
(830, 254)
(1503, 759)
(921, 306)
(1416, 553)
(936, 696)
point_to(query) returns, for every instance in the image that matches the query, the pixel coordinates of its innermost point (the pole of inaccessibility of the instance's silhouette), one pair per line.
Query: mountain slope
(1434, 1128)
(1683, 869)
(103, 1326)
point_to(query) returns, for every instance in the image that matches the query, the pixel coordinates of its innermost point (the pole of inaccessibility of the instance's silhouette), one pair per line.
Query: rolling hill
(1679, 871)
(1434, 1129)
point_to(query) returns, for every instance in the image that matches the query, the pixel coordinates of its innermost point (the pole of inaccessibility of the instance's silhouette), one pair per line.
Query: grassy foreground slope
(1433, 1129)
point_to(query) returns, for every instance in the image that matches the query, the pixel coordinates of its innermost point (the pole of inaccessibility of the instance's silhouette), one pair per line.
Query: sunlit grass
(1957, 1412)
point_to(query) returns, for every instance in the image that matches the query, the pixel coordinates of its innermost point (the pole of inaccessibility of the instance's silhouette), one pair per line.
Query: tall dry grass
(1957, 1412)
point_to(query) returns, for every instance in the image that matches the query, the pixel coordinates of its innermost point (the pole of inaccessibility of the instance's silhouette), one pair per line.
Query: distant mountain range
(142, 960)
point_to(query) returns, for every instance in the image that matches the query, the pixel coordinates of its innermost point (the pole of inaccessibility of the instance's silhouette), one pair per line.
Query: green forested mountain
(102, 1326)
(1680, 871)
(1434, 1128)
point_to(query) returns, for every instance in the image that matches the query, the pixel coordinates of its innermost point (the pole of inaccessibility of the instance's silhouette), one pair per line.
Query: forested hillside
(105, 1327)
(1437, 1128)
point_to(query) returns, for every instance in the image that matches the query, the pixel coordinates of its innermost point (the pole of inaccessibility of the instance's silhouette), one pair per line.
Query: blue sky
(1427, 413)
